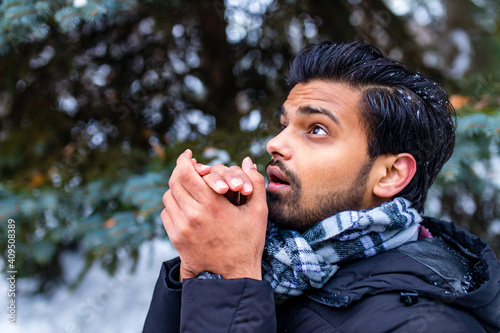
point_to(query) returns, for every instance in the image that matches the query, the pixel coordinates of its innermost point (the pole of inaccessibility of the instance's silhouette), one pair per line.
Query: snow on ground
(101, 303)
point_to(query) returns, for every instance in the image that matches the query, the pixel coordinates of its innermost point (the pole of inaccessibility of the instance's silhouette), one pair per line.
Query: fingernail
(249, 163)
(247, 187)
(236, 182)
(221, 184)
(204, 166)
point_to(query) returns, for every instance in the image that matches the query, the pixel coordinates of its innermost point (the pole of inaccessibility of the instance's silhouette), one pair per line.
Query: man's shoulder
(375, 313)
(311, 314)
(448, 281)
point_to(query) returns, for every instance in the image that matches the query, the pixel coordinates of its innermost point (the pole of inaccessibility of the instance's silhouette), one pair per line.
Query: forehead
(336, 98)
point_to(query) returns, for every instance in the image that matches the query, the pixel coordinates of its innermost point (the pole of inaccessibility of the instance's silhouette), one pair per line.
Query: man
(346, 248)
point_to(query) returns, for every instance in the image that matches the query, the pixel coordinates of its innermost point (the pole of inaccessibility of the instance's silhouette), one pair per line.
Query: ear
(399, 171)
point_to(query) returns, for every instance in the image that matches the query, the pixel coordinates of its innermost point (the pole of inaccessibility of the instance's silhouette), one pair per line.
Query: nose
(279, 146)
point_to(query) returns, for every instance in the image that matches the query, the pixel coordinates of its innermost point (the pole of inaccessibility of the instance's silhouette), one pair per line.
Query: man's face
(320, 164)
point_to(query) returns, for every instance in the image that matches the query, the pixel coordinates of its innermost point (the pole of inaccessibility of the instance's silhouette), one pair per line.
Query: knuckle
(183, 175)
(172, 180)
(174, 239)
(232, 172)
(235, 168)
(164, 220)
(213, 211)
(165, 197)
(237, 171)
(183, 233)
(212, 179)
(193, 216)
(218, 168)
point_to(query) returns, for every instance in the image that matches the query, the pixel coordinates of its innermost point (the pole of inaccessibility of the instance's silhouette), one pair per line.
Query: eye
(282, 127)
(315, 129)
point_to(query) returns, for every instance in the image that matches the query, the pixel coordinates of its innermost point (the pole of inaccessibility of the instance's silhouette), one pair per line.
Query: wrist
(185, 274)
(254, 273)
(247, 272)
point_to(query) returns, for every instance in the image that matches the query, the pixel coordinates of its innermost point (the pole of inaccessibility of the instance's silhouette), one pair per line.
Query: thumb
(258, 181)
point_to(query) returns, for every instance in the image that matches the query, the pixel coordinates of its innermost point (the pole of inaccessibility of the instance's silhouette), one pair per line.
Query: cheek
(332, 168)
(325, 175)
(315, 176)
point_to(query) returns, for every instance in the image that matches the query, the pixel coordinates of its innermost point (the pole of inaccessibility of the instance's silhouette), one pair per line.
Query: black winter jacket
(448, 283)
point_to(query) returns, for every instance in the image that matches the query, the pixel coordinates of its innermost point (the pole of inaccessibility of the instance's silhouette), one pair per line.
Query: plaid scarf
(294, 262)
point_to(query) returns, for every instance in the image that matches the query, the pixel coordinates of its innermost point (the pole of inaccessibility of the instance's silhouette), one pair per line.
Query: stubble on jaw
(286, 211)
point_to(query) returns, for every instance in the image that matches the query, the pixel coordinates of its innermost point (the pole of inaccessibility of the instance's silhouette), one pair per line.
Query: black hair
(403, 111)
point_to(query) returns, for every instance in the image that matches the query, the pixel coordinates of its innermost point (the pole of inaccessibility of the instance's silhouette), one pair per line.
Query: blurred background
(98, 98)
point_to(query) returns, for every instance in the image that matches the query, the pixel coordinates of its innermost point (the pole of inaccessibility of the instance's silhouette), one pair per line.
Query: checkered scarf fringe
(295, 262)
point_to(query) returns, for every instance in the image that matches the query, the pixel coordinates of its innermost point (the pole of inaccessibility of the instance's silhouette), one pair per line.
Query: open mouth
(277, 181)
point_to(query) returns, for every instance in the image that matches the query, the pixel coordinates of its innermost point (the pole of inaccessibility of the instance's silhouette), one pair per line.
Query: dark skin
(211, 233)
(322, 142)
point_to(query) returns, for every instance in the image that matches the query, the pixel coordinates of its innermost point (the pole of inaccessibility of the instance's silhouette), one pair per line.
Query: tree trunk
(217, 62)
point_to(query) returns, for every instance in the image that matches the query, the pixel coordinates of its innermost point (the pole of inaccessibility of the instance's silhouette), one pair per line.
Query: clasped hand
(209, 226)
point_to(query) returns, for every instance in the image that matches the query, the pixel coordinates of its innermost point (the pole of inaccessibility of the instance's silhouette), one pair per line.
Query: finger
(202, 169)
(168, 224)
(247, 187)
(258, 181)
(216, 183)
(235, 178)
(172, 212)
(185, 177)
(174, 219)
(184, 200)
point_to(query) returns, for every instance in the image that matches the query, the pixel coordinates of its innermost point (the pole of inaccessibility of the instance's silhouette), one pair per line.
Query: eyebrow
(307, 109)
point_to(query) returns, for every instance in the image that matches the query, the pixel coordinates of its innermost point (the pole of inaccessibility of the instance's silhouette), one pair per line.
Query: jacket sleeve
(164, 312)
(239, 305)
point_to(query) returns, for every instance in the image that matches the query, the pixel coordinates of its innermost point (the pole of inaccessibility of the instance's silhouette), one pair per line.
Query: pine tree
(23, 21)
(66, 191)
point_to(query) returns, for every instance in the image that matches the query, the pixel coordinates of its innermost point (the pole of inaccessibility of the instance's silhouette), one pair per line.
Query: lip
(274, 175)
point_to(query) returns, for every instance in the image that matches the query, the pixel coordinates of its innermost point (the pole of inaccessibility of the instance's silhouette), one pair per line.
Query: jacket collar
(455, 267)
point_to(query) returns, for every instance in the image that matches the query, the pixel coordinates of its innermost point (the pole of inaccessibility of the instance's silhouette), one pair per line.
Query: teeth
(279, 181)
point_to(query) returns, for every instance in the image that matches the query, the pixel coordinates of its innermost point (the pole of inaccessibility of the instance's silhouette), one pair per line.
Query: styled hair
(403, 111)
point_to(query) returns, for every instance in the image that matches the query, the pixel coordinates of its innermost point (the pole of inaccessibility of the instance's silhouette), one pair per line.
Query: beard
(286, 212)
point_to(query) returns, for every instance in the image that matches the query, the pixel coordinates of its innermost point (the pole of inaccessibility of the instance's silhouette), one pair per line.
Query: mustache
(290, 176)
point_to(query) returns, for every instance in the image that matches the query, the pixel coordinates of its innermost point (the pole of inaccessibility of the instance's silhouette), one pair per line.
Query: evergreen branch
(22, 18)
